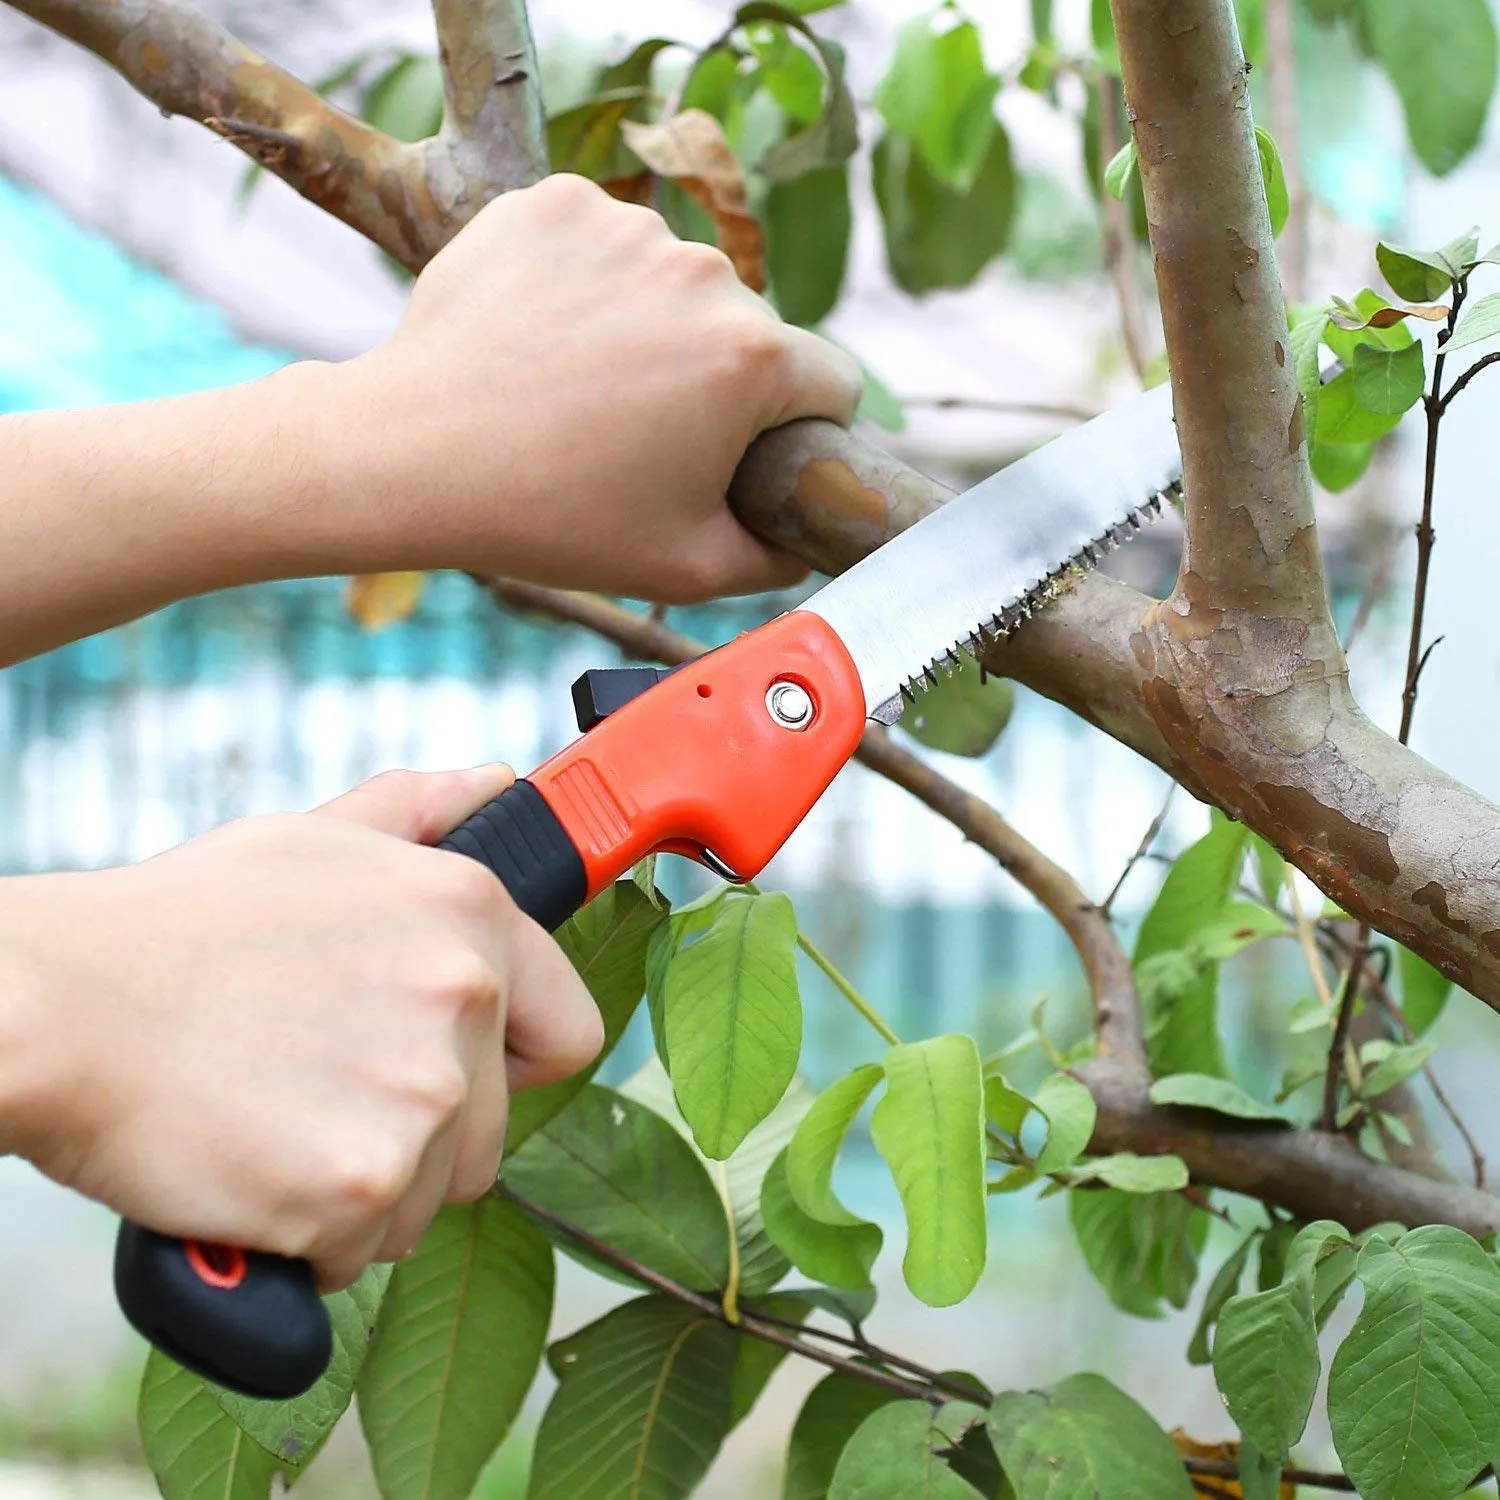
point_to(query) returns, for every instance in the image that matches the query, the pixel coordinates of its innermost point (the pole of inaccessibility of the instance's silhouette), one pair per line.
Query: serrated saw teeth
(999, 626)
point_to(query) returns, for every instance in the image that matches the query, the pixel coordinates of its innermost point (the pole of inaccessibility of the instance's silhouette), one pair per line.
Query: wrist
(33, 1041)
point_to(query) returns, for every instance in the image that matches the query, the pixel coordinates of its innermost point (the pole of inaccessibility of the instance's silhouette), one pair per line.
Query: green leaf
(1120, 171)
(1270, 868)
(194, 1448)
(586, 139)
(1266, 1363)
(1142, 1249)
(1416, 275)
(733, 1019)
(1260, 1473)
(661, 953)
(1135, 1174)
(615, 1169)
(756, 1361)
(406, 101)
(762, 1264)
(1337, 465)
(294, 1430)
(458, 1343)
(894, 1452)
(606, 943)
(853, 1307)
(1273, 178)
(1441, 58)
(929, 1127)
(965, 714)
(1004, 1108)
(834, 136)
(1071, 1112)
(1478, 322)
(839, 1254)
(1199, 1091)
(642, 1408)
(1182, 1021)
(788, 74)
(1084, 1438)
(1424, 991)
(938, 95)
(1305, 336)
(878, 404)
(1388, 381)
(1341, 419)
(808, 221)
(830, 1416)
(1240, 924)
(1412, 1397)
(1226, 1284)
(1391, 1065)
(635, 68)
(814, 1149)
(936, 236)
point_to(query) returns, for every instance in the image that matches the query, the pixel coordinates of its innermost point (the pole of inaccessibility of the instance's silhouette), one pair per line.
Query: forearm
(110, 513)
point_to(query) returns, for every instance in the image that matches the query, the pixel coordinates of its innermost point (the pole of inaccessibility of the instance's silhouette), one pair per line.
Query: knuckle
(698, 262)
(459, 979)
(438, 1092)
(370, 1174)
(754, 348)
(469, 888)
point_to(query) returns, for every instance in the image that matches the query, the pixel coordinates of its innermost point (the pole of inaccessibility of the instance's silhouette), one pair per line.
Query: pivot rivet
(790, 704)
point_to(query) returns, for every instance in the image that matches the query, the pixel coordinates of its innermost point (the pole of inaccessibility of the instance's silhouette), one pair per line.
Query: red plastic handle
(699, 762)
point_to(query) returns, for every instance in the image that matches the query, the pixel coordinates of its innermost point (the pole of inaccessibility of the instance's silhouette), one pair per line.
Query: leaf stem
(1339, 1060)
(846, 989)
(730, 1301)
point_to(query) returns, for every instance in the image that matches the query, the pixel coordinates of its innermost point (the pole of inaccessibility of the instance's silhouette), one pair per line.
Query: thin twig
(1228, 1468)
(1061, 409)
(1434, 405)
(1466, 377)
(1142, 849)
(710, 1307)
(1117, 237)
(1338, 1062)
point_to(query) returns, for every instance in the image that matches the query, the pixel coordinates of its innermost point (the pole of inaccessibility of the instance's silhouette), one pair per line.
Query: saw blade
(971, 571)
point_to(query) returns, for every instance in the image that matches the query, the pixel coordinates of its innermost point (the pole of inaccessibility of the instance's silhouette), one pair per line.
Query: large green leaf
(1132, 1173)
(739, 1179)
(939, 95)
(1182, 1020)
(1388, 381)
(619, 1171)
(1417, 275)
(893, 1454)
(1142, 1249)
(937, 236)
(830, 1416)
(756, 1361)
(839, 1254)
(295, 1430)
(1477, 323)
(1199, 1091)
(963, 714)
(457, 1345)
(808, 221)
(929, 1126)
(814, 1148)
(194, 1448)
(1424, 991)
(642, 1407)
(1325, 1249)
(1412, 1398)
(1441, 59)
(1226, 1284)
(606, 943)
(1071, 1112)
(1084, 1438)
(733, 1019)
(1266, 1362)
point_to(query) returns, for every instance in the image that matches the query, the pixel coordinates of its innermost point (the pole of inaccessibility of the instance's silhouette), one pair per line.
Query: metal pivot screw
(790, 704)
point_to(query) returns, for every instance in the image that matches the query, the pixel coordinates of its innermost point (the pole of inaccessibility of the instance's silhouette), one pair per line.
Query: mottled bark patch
(836, 488)
(1435, 899)
(1328, 831)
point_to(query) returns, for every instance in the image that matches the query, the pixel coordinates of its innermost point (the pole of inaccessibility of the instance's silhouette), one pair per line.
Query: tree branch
(1309, 1173)
(187, 65)
(495, 117)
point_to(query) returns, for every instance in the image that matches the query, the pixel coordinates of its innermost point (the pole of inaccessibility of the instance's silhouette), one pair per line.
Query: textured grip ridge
(518, 838)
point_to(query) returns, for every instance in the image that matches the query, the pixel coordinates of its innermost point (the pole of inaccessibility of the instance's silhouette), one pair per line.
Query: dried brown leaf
(691, 149)
(1385, 317)
(376, 600)
(636, 188)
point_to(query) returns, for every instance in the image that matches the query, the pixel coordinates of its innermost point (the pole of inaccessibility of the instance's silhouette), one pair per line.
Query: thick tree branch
(395, 194)
(495, 116)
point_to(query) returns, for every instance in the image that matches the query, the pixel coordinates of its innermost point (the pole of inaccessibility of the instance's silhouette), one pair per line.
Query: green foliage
(1226, 1284)
(458, 1343)
(897, 1449)
(1424, 992)
(1477, 323)
(1265, 1356)
(195, 1449)
(406, 101)
(1200, 1091)
(1273, 178)
(294, 1431)
(840, 1253)
(808, 223)
(1142, 1248)
(1389, 1065)
(620, 1172)
(1070, 1112)
(929, 1126)
(832, 1413)
(1412, 1398)
(1084, 1437)
(964, 714)
(642, 1407)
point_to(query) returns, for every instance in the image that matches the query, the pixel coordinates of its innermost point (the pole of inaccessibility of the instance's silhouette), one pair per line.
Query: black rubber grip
(519, 838)
(268, 1335)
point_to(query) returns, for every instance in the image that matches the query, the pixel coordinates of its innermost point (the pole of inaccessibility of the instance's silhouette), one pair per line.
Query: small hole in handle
(220, 1266)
